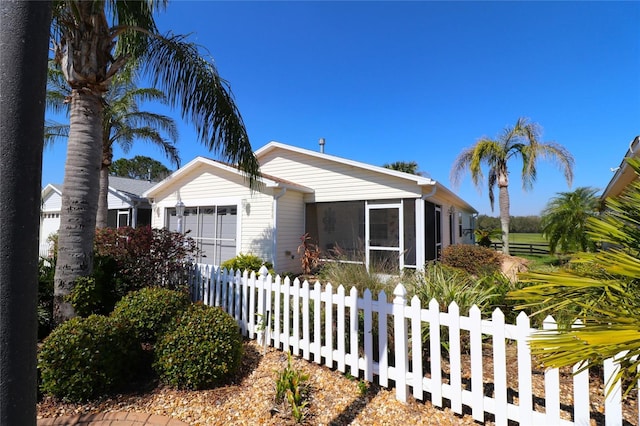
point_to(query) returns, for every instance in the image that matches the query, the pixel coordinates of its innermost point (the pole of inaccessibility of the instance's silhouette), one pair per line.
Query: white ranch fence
(341, 330)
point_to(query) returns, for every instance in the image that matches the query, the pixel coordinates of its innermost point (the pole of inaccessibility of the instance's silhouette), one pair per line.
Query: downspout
(275, 227)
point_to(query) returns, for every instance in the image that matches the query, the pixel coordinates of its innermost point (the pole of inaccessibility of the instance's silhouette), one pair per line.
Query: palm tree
(601, 290)
(123, 122)
(564, 219)
(90, 50)
(410, 167)
(522, 140)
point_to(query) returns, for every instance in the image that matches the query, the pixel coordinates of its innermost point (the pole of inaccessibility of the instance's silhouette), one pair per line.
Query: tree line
(517, 224)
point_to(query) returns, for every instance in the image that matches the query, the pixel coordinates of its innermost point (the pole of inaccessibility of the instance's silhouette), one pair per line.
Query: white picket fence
(369, 337)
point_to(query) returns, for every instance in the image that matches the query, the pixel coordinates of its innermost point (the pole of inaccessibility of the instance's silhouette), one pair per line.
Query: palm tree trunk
(79, 199)
(103, 200)
(24, 36)
(504, 217)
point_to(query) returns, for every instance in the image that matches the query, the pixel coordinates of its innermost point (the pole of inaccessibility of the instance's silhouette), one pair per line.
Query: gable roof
(124, 188)
(264, 179)
(272, 146)
(418, 180)
(624, 174)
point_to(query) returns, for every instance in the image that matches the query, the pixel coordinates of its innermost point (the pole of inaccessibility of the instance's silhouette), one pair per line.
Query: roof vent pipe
(321, 142)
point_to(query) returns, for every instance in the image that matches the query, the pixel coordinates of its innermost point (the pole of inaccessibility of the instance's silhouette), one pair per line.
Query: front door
(384, 237)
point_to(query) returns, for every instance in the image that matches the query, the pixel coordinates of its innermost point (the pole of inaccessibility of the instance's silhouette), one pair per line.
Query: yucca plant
(604, 296)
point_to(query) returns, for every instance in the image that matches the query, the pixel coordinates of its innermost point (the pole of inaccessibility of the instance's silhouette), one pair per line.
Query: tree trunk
(504, 216)
(103, 198)
(24, 36)
(79, 198)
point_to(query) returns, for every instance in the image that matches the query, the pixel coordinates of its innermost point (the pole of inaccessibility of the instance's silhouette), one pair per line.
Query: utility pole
(24, 36)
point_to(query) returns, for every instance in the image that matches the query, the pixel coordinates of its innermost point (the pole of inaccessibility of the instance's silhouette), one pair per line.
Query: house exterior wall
(255, 209)
(334, 181)
(290, 225)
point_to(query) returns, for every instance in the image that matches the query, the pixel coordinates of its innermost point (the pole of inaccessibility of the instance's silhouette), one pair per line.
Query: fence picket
(312, 322)
(525, 382)
(499, 367)
(354, 329)
(306, 335)
(416, 349)
(317, 324)
(367, 331)
(612, 402)
(339, 355)
(477, 385)
(400, 342)
(296, 316)
(383, 338)
(435, 384)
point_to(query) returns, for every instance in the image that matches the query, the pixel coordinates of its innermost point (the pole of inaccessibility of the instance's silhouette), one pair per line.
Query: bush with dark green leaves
(88, 357)
(151, 310)
(202, 349)
(475, 260)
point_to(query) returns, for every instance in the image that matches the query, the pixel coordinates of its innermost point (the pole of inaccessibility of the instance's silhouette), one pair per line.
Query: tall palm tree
(522, 140)
(123, 122)
(93, 41)
(602, 291)
(564, 219)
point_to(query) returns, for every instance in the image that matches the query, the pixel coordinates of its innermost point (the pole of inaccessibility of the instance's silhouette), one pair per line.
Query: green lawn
(527, 238)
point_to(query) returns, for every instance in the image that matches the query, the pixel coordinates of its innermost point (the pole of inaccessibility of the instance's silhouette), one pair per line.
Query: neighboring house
(624, 174)
(127, 207)
(365, 213)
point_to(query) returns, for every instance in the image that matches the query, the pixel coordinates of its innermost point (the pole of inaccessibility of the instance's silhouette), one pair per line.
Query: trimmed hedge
(151, 310)
(202, 349)
(88, 357)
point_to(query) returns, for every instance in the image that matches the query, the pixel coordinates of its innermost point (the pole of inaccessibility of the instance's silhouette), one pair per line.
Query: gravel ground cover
(334, 399)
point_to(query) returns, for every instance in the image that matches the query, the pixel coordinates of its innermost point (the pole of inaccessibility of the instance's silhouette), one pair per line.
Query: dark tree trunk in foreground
(24, 34)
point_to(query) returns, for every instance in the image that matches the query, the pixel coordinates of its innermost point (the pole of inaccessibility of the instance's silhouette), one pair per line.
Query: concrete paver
(112, 419)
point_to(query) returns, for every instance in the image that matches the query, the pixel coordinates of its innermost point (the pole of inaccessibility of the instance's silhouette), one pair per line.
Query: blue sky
(421, 81)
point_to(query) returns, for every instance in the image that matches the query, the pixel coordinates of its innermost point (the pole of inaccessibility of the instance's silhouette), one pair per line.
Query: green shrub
(88, 357)
(246, 262)
(472, 259)
(355, 275)
(46, 271)
(98, 293)
(202, 348)
(151, 310)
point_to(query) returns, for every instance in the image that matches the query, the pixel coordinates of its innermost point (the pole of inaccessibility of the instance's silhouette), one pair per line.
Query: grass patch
(527, 238)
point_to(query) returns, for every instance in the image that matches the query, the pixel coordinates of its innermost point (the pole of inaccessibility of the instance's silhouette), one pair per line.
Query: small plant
(309, 255)
(290, 384)
(246, 262)
(473, 259)
(88, 357)
(151, 310)
(484, 236)
(363, 387)
(201, 349)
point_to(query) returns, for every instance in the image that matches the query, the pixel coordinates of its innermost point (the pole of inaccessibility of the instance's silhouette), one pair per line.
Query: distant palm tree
(410, 167)
(123, 122)
(564, 219)
(93, 41)
(602, 291)
(522, 140)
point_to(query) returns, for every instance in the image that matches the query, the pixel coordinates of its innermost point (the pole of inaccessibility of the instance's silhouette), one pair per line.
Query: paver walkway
(112, 419)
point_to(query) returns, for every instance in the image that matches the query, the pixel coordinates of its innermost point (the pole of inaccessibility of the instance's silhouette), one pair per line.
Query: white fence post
(400, 342)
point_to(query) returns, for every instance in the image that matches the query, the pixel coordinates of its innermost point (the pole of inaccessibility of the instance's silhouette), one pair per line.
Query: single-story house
(352, 210)
(126, 206)
(624, 174)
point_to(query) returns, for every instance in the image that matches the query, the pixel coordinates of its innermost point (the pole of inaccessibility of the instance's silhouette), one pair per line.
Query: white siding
(52, 203)
(255, 209)
(290, 225)
(334, 181)
(114, 202)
